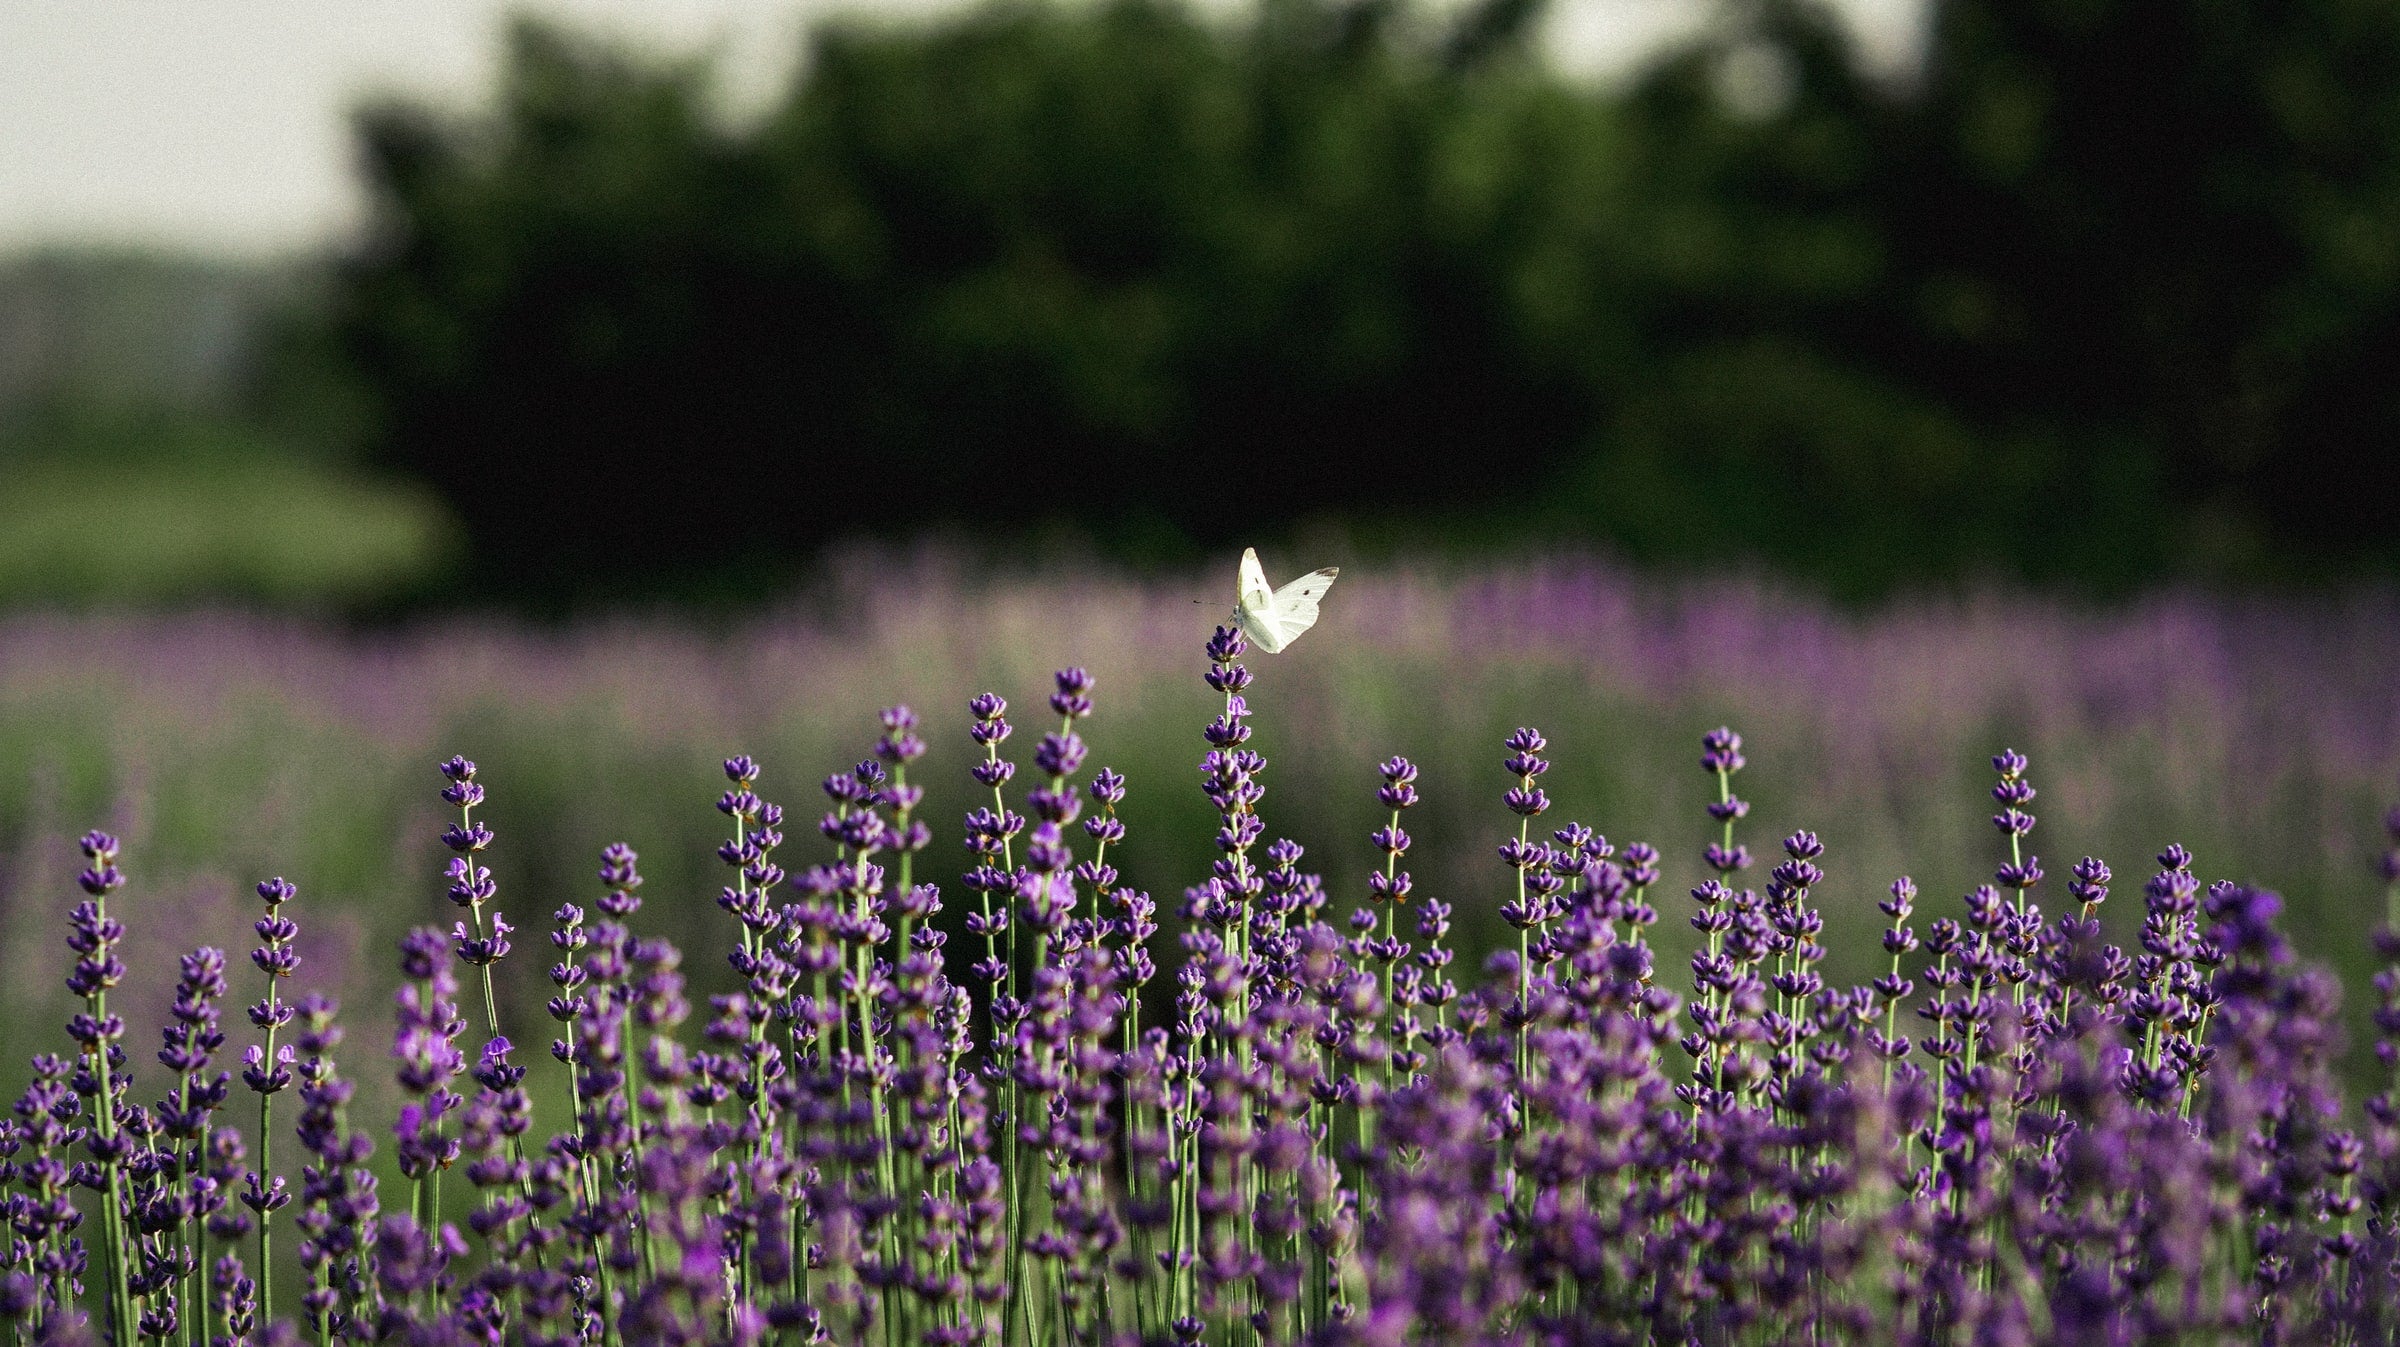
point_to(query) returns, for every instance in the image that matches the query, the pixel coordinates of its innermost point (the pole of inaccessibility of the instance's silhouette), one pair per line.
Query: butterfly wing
(1293, 609)
(1275, 618)
(1254, 604)
(1252, 592)
(1295, 605)
(1261, 630)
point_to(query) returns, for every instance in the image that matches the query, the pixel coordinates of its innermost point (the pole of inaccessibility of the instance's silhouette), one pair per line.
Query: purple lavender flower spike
(93, 936)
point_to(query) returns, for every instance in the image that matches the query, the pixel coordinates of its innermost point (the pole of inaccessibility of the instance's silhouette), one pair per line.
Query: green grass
(285, 532)
(127, 504)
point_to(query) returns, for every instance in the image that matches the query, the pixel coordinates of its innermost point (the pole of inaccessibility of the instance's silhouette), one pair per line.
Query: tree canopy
(2103, 290)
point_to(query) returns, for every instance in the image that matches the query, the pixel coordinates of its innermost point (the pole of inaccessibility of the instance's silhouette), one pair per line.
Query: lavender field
(2263, 734)
(1350, 1082)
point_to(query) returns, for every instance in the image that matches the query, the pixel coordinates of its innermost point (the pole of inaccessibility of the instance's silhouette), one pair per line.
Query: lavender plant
(2016, 1132)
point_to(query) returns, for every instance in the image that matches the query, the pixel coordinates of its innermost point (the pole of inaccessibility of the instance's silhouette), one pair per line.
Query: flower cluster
(2017, 1131)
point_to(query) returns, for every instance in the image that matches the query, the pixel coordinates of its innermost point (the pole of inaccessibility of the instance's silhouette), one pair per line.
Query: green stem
(266, 1179)
(120, 1283)
(195, 1309)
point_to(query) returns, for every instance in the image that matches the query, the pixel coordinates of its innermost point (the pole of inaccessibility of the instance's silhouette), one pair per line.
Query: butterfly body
(1274, 618)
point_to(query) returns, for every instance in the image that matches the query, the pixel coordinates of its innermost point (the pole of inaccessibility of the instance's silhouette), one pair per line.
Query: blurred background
(600, 388)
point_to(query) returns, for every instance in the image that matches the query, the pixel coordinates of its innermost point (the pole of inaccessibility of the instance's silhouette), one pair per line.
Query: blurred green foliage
(2103, 290)
(163, 441)
(156, 505)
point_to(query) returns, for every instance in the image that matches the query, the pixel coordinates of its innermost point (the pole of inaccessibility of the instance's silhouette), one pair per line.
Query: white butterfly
(1275, 618)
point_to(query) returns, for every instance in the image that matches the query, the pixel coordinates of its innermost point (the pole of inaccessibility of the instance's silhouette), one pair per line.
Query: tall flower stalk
(267, 1070)
(471, 885)
(94, 936)
(188, 1045)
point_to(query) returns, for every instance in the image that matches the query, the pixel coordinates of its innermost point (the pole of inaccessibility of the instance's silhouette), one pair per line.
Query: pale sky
(219, 126)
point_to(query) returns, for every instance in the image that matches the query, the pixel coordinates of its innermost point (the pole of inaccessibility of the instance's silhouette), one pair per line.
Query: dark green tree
(2102, 290)
(1119, 267)
(2116, 290)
